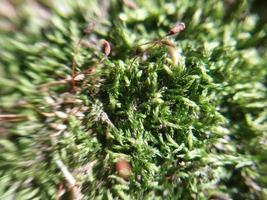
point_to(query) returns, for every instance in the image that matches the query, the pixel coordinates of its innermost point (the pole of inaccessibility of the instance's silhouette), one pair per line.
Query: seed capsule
(123, 168)
(106, 47)
(177, 28)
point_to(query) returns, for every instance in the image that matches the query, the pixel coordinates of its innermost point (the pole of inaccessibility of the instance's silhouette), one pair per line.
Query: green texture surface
(192, 130)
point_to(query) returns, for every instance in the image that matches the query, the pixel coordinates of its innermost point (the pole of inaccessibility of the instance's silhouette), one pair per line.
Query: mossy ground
(195, 130)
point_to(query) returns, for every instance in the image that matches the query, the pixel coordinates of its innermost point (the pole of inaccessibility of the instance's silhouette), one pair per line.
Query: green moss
(195, 130)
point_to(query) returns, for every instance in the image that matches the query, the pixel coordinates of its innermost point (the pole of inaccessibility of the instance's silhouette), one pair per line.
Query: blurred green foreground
(186, 117)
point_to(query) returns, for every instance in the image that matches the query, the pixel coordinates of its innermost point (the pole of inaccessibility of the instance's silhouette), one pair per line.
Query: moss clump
(192, 130)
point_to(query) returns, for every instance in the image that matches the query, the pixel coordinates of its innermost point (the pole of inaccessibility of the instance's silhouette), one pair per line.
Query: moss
(195, 129)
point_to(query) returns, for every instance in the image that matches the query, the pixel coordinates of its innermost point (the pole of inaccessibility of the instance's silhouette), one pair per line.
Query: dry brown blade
(12, 118)
(76, 78)
(55, 83)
